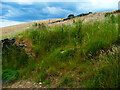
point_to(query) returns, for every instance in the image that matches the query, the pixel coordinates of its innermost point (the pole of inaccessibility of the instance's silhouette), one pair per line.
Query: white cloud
(42, 0)
(33, 1)
(11, 11)
(105, 3)
(20, 1)
(98, 5)
(55, 10)
(4, 23)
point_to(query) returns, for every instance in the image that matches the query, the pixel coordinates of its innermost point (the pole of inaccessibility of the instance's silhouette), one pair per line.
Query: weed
(65, 81)
(47, 82)
(35, 25)
(107, 14)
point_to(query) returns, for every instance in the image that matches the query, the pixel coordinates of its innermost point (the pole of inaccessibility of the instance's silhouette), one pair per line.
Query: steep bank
(80, 54)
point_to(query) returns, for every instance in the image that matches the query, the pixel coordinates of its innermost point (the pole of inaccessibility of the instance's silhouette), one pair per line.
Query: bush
(90, 12)
(35, 25)
(113, 18)
(107, 14)
(70, 16)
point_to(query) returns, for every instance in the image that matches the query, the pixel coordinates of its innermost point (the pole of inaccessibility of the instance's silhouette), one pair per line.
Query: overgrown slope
(76, 55)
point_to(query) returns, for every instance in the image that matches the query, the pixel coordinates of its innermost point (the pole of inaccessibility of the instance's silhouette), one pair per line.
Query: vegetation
(10, 75)
(90, 12)
(35, 25)
(107, 14)
(70, 16)
(76, 55)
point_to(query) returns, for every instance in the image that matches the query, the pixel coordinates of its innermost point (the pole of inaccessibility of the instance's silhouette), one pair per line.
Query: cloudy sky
(19, 11)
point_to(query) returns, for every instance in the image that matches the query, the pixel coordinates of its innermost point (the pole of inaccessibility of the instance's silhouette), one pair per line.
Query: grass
(10, 75)
(85, 54)
(65, 81)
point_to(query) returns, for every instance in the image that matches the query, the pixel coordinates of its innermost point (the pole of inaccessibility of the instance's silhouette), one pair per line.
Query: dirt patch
(23, 84)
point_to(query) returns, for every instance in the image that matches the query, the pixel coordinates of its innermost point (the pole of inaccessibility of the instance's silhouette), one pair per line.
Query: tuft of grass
(47, 82)
(106, 76)
(99, 36)
(65, 81)
(10, 75)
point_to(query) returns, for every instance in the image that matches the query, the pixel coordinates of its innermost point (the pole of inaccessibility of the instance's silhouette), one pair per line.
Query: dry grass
(6, 31)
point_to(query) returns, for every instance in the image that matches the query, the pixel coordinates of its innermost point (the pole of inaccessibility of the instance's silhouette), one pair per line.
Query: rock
(7, 42)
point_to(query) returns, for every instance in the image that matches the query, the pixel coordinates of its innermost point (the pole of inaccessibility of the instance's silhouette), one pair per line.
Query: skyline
(17, 12)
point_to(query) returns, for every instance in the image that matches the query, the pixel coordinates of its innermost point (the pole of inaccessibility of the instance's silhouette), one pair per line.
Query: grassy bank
(76, 55)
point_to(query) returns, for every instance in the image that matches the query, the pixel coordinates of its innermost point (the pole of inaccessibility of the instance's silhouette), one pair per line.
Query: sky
(14, 12)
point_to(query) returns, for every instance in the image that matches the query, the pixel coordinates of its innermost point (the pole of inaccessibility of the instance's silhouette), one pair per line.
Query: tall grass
(70, 52)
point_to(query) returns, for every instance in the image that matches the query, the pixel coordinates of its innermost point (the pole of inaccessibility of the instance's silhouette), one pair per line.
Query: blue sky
(19, 11)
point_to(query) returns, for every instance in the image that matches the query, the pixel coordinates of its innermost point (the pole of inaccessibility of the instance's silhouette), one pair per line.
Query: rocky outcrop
(7, 42)
(21, 44)
(26, 45)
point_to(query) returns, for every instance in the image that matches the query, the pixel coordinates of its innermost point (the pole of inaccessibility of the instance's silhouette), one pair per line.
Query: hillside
(7, 31)
(82, 52)
(10, 31)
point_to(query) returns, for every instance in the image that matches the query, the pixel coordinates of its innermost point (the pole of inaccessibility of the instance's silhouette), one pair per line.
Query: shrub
(90, 12)
(107, 14)
(70, 16)
(113, 18)
(35, 25)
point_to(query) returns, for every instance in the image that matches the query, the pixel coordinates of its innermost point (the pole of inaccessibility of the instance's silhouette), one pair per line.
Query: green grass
(10, 75)
(65, 81)
(69, 54)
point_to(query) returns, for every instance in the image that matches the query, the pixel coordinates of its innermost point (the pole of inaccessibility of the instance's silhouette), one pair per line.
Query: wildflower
(40, 83)
(62, 51)
(89, 55)
(102, 50)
